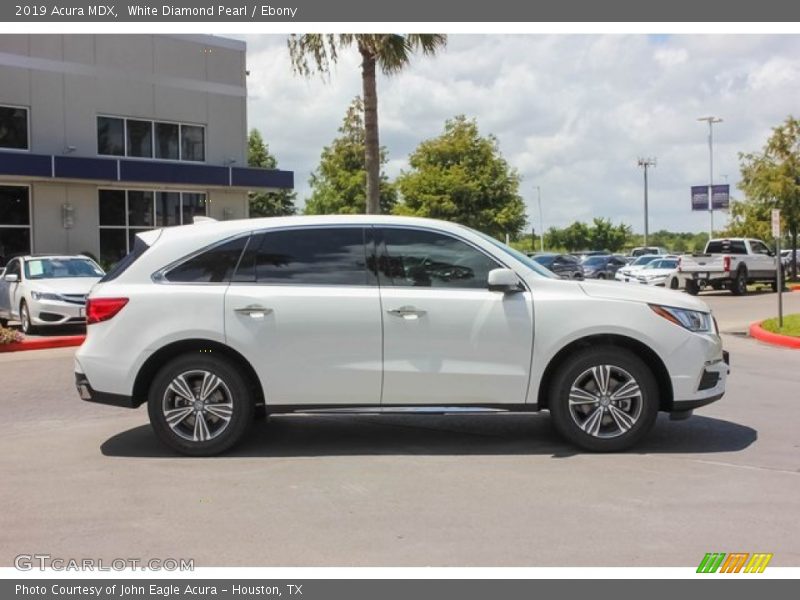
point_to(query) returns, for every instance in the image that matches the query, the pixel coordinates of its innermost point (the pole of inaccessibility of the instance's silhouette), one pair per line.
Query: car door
(763, 260)
(305, 311)
(9, 291)
(448, 339)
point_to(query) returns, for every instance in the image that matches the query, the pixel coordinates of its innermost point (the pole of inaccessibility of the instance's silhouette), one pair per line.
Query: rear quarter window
(214, 265)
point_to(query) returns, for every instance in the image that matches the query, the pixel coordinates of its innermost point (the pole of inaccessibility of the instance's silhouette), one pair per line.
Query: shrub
(10, 336)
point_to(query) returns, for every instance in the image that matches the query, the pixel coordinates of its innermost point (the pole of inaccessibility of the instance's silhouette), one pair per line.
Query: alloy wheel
(605, 401)
(197, 405)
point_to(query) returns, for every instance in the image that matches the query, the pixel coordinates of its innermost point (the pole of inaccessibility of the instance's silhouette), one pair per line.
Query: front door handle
(254, 311)
(407, 312)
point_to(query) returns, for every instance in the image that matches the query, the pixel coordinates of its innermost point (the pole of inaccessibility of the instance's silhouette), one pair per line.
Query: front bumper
(708, 385)
(56, 312)
(86, 392)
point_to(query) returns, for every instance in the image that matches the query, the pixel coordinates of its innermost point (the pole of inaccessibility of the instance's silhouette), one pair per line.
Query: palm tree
(314, 53)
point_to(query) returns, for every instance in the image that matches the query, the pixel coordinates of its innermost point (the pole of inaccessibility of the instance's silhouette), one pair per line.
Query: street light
(646, 163)
(541, 221)
(711, 120)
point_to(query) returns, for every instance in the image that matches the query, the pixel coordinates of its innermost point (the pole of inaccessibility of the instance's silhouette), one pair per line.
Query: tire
(3, 322)
(692, 287)
(621, 423)
(25, 319)
(601, 276)
(739, 283)
(674, 284)
(183, 432)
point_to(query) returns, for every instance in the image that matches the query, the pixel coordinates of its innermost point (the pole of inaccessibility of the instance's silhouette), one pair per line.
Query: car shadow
(370, 435)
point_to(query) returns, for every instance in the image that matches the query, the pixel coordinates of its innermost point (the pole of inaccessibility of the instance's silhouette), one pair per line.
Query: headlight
(693, 320)
(45, 296)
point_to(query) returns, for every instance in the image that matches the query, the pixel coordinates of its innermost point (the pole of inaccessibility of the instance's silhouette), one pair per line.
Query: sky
(572, 113)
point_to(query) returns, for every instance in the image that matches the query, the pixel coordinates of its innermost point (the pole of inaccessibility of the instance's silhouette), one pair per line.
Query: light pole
(646, 163)
(541, 221)
(711, 120)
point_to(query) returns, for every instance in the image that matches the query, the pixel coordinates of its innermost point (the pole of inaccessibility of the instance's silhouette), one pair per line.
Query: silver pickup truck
(729, 263)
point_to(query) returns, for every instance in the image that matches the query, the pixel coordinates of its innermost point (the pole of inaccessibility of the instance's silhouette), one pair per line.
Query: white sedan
(659, 272)
(41, 291)
(629, 272)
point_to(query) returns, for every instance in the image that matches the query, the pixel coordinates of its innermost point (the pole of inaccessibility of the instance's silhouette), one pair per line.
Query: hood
(613, 290)
(63, 285)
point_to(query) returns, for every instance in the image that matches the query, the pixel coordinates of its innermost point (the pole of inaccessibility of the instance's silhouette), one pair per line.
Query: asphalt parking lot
(83, 480)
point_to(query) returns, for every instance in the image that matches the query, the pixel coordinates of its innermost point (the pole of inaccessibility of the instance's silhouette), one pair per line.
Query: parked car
(565, 266)
(40, 291)
(661, 272)
(204, 323)
(602, 266)
(584, 254)
(729, 263)
(786, 260)
(627, 273)
(642, 250)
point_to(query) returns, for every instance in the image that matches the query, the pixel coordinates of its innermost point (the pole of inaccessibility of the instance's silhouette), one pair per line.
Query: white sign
(776, 223)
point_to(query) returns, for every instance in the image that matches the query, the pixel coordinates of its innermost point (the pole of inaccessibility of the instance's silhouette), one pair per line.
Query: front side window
(14, 128)
(316, 256)
(13, 268)
(418, 258)
(15, 222)
(759, 248)
(215, 265)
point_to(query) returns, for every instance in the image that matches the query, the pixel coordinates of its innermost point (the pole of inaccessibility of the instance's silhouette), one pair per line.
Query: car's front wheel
(604, 399)
(200, 405)
(25, 319)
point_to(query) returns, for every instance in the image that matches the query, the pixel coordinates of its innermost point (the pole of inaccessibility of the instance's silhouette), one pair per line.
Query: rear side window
(314, 256)
(139, 248)
(215, 265)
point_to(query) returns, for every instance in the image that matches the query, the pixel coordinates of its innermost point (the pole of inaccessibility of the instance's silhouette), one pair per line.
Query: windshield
(643, 260)
(593, 261)
(663, 264)
(525, 260)
(53, 268)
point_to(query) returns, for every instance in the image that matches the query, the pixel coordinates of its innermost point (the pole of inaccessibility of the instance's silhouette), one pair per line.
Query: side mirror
(11, 278)
(503, 280)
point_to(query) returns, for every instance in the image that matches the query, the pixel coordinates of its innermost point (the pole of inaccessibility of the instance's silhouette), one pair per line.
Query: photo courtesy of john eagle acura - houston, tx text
(383, 315)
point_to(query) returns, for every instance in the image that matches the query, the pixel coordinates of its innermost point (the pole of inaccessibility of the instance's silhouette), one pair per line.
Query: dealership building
(103, 136)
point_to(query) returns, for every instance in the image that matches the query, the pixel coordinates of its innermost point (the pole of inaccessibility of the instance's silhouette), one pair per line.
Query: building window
(111, 136)
(15, 222)
(14, 128)
(125, 213)
(193, 146)
(139, 138)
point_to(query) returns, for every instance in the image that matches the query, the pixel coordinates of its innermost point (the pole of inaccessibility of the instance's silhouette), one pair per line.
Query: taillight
(726, 263)
(102, 309)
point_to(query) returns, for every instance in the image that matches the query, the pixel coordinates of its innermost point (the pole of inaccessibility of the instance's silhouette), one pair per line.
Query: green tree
(607, 236)
(750, 218)
(314, 53)
(461, 176)
(338, 182)
(771, 178)
(267, 204)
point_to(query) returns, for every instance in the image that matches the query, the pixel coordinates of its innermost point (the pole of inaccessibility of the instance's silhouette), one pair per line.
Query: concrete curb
(762, 335)
(63, 341)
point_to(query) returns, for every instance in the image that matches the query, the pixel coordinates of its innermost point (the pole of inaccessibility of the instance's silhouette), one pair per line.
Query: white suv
(211, 323)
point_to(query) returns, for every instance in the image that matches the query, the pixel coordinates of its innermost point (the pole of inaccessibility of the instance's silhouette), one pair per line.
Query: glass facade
(15, 222)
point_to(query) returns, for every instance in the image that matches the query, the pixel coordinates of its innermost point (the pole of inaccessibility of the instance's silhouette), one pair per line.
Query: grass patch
(791, 325)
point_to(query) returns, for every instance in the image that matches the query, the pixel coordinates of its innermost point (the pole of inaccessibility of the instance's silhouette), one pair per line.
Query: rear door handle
(254, 311)
(407, 312)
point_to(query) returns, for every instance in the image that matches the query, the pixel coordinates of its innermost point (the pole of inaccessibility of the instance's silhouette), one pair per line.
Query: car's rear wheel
(3, 322)
(604, 399)
(25, 319)
(739, 285)
(200, 405)
(692, 287)
(674, 284)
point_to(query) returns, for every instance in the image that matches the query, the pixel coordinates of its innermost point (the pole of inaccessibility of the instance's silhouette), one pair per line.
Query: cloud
(571, 112)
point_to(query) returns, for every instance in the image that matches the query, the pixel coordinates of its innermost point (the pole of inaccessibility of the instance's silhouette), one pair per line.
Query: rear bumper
(89, 394)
